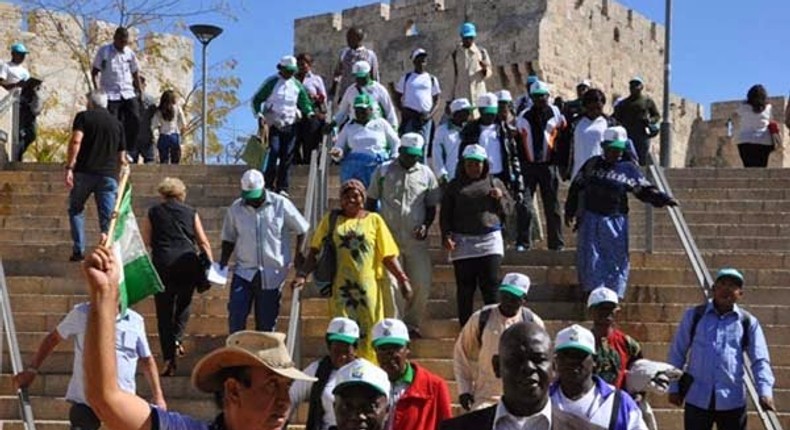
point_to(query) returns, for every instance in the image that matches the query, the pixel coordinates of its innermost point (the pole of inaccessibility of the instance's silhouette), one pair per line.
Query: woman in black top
(173, 230)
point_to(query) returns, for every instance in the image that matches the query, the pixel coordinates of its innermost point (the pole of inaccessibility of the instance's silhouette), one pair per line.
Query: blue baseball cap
(468, 30)
(731, 272)
(19, 48)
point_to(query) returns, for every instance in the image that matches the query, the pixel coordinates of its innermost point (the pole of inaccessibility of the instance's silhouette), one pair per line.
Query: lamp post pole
(666, 123)
(204, 34)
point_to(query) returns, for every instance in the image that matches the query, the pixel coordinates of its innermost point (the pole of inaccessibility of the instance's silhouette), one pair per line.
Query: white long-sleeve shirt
(174, 126)
(300, 392)
(382, 108)
(472, 359)
(447, 143)
(376, 137)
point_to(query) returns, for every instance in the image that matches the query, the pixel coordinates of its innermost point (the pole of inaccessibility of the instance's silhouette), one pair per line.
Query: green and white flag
(138, 277)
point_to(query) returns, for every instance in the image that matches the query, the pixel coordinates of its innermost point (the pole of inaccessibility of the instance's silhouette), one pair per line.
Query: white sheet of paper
(217, 276)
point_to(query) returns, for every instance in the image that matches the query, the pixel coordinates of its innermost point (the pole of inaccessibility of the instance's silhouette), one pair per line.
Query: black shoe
(76, 256)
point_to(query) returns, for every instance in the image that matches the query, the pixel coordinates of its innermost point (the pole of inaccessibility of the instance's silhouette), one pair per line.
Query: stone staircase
(739, 218)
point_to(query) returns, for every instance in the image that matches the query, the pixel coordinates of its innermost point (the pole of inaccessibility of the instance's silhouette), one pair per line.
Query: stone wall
(714, 142)
(166, 60)
(562, 41)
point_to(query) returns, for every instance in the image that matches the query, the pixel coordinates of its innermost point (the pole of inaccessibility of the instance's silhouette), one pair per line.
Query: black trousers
(754, 154)
(82, 417)
(642, 146)
(548, 178)
(474, 273)
(695, 418)
(128, 112)
(308, 137)
(173, 304)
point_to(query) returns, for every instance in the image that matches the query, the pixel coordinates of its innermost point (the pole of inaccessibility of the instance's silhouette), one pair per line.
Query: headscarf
(353, 184)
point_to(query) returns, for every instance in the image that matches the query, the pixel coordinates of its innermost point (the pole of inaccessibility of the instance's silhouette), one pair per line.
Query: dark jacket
(636, 113)
(468, 209)
(481, 419)
(470, 135)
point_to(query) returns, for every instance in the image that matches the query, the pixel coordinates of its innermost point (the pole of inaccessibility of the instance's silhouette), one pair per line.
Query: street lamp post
(666, 124)
(204, 34)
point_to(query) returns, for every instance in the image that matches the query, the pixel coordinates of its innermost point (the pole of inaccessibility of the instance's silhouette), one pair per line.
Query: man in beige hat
(250, 376)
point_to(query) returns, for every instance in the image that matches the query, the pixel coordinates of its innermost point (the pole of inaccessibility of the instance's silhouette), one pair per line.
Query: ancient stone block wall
(562, 41)
(166, 60)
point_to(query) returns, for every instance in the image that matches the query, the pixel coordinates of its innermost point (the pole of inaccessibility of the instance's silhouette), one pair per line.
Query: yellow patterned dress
(361, 245)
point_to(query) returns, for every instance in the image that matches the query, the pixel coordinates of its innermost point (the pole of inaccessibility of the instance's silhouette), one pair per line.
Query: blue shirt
(166, 420)
(715, 359)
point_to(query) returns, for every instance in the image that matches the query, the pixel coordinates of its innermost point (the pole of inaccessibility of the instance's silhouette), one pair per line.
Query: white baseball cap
(362, 372)
(460, 104)
(602, 295)
(615, 137)
(575, 337)
(539, 88)
(516, 284)
(288, 62)
(252, 184)
(504, 96)
(360, 69)
(417, 52)
(488, 103)
(475, 152)
(584, 83)
(342, 330)
(412, 143)
(390, 331)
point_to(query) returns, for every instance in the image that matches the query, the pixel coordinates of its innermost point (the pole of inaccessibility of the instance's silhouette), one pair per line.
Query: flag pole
(124, 179)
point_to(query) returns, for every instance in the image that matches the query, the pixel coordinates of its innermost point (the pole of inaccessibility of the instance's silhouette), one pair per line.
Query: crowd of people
(488, 161)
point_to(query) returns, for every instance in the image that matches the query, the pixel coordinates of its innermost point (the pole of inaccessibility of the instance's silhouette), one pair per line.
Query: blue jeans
(169, 146)
(242, 295)
(423, 128)
(282, 150)
(105, 190)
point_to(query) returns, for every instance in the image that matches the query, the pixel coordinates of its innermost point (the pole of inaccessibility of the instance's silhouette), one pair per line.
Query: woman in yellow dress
(364, 248)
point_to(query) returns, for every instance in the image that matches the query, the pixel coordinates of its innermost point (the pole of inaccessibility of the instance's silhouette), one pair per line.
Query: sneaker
(285, 194)
(414, 333)
(76, 256)
(522, 248)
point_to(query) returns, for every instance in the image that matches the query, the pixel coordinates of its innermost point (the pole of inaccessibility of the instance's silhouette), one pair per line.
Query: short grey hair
(98, 98)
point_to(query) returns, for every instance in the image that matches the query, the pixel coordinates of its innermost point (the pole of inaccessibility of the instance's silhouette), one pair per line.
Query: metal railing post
(25, 409)
(15, 145)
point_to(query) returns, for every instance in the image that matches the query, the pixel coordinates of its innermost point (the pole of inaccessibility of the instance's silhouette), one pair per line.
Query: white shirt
(116, 69)
(594, 409)
(754, 126)
(445, 155)
(12, 73)
(587, 138)
(504, 420)
(130, 344)
(418, 90)
(300, 392)
(489, 139)
(382, 106)
(377, 137)
(262, 237)
(281, 106)
(173, 126)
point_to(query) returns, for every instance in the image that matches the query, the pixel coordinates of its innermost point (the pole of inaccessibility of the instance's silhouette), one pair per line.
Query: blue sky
(720, 48)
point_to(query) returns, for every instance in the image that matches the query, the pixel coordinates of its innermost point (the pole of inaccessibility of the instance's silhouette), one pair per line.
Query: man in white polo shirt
(281, 101)
(447, 141)
(120, 80)
(417, 97)
(581, 400)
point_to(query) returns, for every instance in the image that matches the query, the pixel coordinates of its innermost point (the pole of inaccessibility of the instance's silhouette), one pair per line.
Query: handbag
(326, 264)
(203, 259)
(776, 135)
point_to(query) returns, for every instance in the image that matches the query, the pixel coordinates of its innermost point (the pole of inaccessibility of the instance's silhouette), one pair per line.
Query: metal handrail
(11, 101)
(704, 279)
(25, 409)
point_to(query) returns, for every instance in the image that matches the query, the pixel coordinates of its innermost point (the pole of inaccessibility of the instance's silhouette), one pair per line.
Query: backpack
(485, 314)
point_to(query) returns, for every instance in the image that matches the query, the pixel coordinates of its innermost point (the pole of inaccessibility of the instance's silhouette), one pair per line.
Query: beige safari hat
(246, 349)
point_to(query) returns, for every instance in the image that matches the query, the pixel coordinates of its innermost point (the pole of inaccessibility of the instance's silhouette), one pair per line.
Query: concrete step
(52, 408)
